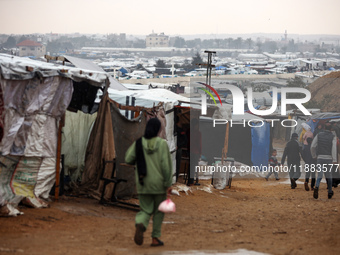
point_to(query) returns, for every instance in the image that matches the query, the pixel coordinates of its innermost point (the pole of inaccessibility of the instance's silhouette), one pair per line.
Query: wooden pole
(226, 142)
(57, 175)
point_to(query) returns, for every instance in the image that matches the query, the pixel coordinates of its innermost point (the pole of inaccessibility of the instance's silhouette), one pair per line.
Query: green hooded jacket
(158, 165)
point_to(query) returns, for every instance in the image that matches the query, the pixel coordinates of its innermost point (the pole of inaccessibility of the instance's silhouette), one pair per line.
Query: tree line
(66, 43)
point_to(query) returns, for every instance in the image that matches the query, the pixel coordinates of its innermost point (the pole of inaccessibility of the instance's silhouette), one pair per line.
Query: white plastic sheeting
(19, 180)
(32, 110)
(46, 178)
(76, 133)
(89, 65)
(17, 68)
(220, 178)
(148, 98)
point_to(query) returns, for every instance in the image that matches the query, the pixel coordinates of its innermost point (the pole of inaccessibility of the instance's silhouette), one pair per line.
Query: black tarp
(239, 146)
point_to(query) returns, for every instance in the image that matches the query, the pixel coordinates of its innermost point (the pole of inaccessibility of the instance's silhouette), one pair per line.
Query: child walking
(272, 162)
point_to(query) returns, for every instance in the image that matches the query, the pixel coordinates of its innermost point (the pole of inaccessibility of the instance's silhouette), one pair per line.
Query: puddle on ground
(233, 252)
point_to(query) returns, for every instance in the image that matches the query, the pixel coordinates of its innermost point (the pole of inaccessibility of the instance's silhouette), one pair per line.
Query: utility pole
(209, 66)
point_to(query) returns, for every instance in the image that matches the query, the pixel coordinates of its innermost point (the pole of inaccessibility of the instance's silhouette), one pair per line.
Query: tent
(89, 65)
(34, 98)
(313, 120)
(322, 117)
(121, 120)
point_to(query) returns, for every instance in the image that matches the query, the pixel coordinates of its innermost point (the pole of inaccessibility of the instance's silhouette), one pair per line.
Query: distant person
(181, 143)
(309, 164)
(336, 129)
(307, 134)
(153, 172)
(272, 162)
(323, 148)
(335, 171)
(318, 129)
(292, 151)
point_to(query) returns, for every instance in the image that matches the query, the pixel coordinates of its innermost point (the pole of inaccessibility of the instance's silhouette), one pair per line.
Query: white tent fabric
(18, 68)
(148, 98)
(88, 65)
(32, 110)
(46, 178)
(76, 133)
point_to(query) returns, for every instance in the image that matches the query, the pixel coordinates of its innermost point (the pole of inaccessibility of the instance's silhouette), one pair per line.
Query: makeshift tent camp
(35, 96)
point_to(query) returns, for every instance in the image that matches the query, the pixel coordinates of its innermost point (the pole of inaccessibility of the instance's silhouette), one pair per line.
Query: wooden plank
(57, 175)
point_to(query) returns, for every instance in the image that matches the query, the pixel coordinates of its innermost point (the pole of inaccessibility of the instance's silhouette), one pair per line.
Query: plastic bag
(167, 206)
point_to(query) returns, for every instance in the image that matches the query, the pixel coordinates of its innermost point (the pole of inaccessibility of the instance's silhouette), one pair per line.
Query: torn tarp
(31, 113)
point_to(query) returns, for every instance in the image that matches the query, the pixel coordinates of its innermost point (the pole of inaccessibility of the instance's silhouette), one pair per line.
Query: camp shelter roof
(326, 115)
(89, 65)
(148, 98)
(136, 86)
(19, 68)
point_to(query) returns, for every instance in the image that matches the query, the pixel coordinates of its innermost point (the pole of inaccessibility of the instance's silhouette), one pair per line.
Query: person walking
(307, 134)
(323, 148)
(292, 151)
(272, 162)
(309, 164)
(318, 129)
(151, 156)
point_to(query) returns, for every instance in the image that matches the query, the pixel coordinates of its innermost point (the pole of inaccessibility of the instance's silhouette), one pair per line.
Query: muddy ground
(253, 215)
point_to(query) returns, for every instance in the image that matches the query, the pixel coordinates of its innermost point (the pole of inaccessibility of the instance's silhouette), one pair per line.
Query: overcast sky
(174, 17)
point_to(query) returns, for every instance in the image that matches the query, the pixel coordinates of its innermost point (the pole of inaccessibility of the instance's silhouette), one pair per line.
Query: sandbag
(221, 175)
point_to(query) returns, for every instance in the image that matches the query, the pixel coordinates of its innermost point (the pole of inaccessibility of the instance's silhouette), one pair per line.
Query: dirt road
(254, 215)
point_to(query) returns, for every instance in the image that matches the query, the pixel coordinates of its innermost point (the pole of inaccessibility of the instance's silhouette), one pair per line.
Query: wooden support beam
(57, 175)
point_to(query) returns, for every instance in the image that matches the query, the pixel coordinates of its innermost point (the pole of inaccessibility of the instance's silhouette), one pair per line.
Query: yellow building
(157, 40)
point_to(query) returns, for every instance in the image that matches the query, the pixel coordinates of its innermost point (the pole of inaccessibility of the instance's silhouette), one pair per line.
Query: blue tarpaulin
(220, 68)
(260, 138)
(313, 122)
(123, 70)
(278, 95)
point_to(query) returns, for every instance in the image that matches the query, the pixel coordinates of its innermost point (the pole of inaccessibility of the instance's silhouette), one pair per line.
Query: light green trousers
(148, 207)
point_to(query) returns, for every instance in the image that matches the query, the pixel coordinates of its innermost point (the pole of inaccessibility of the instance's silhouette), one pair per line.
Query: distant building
(31, 48)
(52, 36)
(117, 40)
(157, 40)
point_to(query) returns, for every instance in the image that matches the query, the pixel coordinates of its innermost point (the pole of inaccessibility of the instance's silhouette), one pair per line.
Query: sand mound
(326, 92)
